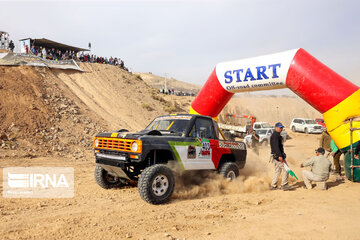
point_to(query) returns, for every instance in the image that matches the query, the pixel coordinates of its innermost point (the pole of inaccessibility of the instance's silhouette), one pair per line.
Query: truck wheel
(306, 130)
(105, 180)
(293, 129)
(229, 171)
(156, 184)
(264, 143)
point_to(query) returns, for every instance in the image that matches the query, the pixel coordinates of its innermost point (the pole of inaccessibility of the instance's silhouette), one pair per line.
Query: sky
(186, 39)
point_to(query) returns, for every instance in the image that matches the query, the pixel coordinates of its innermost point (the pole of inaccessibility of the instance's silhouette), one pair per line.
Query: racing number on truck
(205, 148)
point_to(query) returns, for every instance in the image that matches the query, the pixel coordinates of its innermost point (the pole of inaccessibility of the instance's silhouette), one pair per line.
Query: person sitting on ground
(357, 150)
(320, 168)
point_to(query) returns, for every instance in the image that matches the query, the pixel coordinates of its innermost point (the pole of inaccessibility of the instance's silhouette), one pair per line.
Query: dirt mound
(59, 111)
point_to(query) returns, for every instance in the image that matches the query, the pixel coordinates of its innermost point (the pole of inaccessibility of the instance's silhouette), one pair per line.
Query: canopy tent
(43, 42)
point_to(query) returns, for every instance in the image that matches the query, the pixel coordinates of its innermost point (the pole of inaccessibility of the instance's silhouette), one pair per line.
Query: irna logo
(36, 180)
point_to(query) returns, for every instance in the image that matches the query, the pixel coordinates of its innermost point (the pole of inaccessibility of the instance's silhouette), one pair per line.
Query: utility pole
(165, 83)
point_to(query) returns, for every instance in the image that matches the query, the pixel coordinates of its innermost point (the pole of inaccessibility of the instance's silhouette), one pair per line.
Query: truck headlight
(134, 146)
(96, 142)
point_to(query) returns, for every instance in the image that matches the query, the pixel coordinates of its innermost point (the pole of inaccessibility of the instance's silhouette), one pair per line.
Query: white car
(305, 125)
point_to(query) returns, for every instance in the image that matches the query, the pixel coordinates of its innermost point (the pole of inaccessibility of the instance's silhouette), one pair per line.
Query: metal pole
(351, 150)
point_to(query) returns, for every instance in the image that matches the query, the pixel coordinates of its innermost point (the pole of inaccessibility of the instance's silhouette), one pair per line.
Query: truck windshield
(171, 124)
(261, 132)
(310, 122)
(265, 125)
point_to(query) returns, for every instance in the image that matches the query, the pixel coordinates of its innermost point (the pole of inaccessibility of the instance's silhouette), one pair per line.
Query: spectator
(320, 169)
(11, 46)
(33, 50)
(43, 52)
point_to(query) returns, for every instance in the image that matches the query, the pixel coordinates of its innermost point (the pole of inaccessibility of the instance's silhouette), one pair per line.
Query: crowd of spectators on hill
(172, 91)
(96, 59)
(59, 55)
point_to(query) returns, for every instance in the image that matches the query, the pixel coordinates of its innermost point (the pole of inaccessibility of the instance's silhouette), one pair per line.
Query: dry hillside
(159, 83)
(51, 111)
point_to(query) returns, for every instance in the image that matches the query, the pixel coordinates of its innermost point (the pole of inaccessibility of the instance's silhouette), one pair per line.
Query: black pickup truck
(192, 142)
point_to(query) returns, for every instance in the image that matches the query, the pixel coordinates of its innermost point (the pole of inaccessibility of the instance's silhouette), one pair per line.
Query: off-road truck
(189, 141)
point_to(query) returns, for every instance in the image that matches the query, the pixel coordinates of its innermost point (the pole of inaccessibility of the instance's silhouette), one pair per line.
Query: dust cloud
(254, 177)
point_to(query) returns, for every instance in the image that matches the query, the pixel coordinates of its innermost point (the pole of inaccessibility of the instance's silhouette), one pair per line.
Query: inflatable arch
(332, 95)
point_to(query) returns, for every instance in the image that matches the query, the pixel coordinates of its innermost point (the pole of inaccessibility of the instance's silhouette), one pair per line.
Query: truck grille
(317, 127)
(117, 144)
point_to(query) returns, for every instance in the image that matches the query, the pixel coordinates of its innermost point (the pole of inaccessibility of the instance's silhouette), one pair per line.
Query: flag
(290, 171)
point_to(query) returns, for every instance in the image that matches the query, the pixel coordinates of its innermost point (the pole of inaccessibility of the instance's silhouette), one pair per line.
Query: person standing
(255, 142)
(11, 46)
(320, 169)
(336, 153)
(278, 157)
(43, 53)
(325, 141)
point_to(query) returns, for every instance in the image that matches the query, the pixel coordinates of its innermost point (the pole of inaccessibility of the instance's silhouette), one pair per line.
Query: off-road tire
(151, 182)
(229, 170)
(293, 129)
(264, 143)
(306, 130)
(102, 179)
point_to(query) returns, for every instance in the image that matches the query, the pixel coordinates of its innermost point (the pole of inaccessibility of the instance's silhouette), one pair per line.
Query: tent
(48, 44)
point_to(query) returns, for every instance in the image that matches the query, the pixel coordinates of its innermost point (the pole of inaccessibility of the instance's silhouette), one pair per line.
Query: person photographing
(255, 142)
(278, 157)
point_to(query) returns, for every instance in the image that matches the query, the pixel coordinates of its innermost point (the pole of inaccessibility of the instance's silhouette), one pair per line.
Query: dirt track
(215, 209)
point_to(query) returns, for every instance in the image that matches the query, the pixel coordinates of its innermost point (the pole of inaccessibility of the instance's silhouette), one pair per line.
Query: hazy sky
(186, 39)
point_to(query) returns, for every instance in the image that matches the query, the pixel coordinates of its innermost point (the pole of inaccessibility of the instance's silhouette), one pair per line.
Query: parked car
(264, 136)
(321, 122)
(305, 125)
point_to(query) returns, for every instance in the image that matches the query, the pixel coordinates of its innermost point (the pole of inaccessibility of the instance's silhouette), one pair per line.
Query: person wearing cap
(278, 156)
(320, 169)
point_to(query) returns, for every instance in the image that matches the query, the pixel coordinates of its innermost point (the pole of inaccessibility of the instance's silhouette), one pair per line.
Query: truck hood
(137, 135)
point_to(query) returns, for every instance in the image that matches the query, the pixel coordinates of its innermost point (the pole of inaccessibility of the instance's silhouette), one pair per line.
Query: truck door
(203, 133)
